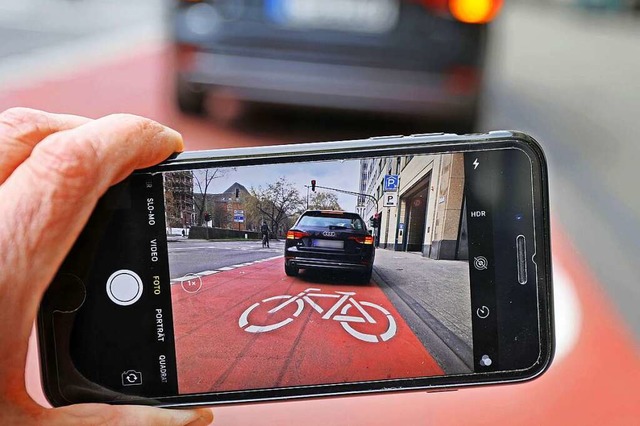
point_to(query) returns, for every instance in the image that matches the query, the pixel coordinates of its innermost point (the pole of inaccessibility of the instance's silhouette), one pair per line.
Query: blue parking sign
(391, 182)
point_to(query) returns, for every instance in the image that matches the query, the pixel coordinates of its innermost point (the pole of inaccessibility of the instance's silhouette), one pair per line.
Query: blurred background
(254, 72)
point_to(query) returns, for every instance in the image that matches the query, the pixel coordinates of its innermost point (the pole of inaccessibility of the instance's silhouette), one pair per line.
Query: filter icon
(485, 361)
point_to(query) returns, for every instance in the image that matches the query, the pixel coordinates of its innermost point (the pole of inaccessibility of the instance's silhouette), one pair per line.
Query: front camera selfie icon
(485, 361)
(131, 378)
(480, 263)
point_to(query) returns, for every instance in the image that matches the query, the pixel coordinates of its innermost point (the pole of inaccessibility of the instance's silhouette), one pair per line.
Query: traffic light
(313, 185)
(207, 217)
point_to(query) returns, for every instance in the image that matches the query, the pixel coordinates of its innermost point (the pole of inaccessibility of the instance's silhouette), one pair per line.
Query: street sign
(391, 182)
(390, 199)
(238, 216)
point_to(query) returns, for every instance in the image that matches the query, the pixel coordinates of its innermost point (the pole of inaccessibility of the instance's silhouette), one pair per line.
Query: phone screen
(287, 276)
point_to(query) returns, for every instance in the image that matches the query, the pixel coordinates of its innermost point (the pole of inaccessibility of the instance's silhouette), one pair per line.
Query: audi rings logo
(328, 233)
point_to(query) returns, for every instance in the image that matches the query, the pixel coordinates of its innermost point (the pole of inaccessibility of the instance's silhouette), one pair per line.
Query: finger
(48, 199)
(53, 192)
(92, 414)
(22, 128)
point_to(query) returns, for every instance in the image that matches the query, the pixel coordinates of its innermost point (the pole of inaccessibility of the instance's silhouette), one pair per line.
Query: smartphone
(388, 264)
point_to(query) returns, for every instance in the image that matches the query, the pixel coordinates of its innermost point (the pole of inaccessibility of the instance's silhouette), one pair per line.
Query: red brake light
(467, 11)
(475, 11)
(185, 56)
(296, 235)
(368, 240)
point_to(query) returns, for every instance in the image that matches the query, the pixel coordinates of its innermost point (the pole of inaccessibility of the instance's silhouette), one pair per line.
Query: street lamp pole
(307, 186)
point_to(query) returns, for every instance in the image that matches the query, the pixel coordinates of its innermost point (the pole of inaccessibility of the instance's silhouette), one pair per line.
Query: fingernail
(201, 417)
(176, 136)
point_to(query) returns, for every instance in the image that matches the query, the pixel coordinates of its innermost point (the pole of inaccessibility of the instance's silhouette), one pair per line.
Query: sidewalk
(435, 293)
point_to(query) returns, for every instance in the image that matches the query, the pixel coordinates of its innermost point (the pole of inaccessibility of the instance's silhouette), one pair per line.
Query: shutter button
(124, 287)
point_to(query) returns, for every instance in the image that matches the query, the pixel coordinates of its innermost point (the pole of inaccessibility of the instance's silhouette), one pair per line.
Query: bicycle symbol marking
(345, 301)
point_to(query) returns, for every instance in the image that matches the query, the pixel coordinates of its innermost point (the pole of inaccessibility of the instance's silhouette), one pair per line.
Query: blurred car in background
(421, 58)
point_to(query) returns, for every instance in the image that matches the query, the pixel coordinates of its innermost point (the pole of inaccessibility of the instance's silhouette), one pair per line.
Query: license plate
(334, 244)
(366, 16)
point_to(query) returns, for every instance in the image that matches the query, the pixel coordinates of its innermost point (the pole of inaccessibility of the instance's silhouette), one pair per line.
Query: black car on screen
(331, 240)
(418, 58)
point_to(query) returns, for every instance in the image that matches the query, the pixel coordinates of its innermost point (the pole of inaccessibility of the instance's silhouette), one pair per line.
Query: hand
(53, 170)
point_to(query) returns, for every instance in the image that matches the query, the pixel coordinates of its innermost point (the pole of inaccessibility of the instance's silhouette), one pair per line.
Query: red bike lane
(214, 353)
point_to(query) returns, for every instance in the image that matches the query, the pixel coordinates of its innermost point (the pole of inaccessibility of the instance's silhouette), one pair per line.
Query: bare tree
(324, 201)
(202, 181)
(276, 203)
(252, 215)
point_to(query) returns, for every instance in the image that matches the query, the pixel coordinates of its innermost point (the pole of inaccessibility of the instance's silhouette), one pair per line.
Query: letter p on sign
(390, 199)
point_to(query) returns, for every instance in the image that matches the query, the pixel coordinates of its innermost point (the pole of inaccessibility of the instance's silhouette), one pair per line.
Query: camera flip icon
(131, 378)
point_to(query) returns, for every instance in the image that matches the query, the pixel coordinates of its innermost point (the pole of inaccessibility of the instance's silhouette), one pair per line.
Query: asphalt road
(568, 78)
(193, 256)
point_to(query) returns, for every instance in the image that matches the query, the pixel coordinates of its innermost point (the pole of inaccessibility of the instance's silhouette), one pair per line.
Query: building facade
(179, 204)
(428, 215)
(231, 200)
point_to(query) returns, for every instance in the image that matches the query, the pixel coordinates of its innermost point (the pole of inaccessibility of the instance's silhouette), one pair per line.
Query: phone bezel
(378, 146)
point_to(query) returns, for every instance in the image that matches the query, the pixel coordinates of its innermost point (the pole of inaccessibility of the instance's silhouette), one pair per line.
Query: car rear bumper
(326, 259)
(336, 86)
(299, 262)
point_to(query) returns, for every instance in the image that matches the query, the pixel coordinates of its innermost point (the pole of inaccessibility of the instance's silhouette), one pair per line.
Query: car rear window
(333, 222)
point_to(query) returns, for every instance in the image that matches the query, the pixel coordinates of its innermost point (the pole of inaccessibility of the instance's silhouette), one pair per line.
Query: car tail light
(368, 240)
(296, 235)
(467, 11)
(185, 56)
(475, 11)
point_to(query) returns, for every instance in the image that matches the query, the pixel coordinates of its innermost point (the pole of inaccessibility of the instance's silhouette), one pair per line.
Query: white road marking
(223, 269)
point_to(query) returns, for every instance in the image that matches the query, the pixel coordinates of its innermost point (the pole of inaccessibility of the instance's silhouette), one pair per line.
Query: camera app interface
(323, 272)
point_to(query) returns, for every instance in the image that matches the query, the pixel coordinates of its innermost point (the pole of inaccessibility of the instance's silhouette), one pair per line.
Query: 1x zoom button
(124, 287)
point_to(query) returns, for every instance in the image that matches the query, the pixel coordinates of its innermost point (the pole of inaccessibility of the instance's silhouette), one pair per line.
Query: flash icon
(476, 163)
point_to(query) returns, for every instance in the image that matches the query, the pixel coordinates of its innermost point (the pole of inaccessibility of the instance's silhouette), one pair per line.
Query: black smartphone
(235, 275)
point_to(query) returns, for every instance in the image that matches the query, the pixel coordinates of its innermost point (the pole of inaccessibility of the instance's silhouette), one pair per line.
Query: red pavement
(137, 83)
(215, 354)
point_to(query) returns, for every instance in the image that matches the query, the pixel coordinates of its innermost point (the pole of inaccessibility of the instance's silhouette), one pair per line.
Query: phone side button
(124, 287)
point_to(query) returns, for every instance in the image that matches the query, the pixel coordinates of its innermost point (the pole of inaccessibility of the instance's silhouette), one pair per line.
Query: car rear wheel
(188, 99)
(365, 277)
(290, 271)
